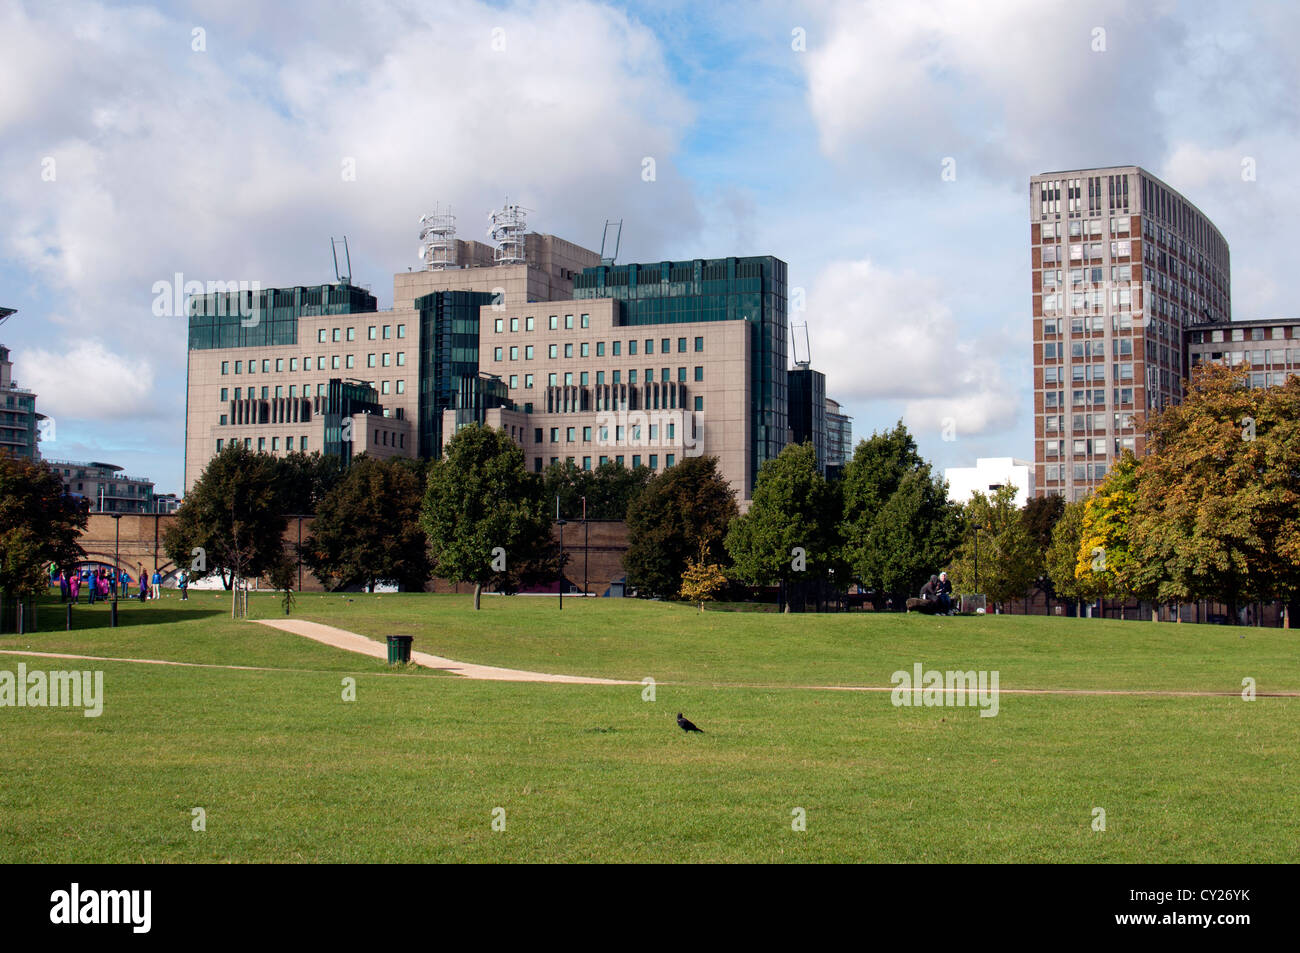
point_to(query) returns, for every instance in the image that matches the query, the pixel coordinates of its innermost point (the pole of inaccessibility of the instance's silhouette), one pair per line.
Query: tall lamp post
(117, 569)
(560, 523)
(586, 539)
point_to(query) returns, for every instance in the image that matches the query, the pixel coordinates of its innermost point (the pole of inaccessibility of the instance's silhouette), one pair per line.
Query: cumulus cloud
(889, 335)
(89, 381)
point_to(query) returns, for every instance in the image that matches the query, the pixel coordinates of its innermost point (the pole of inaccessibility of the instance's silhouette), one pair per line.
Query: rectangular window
(293, 364)
(681, 345)
(498, 326)
(699, 403)
(568, 434)
(555, 435)
(351, 361)
(568, 350)
(219, 443)
(553, 351)
(238, 366)
(586, 321)
(699, 373)
(401, 330)
(223, 420)
(699, 344)
(554, 322)
(224, 392)
(586, 435)
(528, 381)
(514, 353)
(681, 374)
(631, 347)
(528, 352)
(649, 345)
(537, 435)
(388, 328)
(320, 363)
(261, 444)
(370, 333)
(497, 353)
(670, 460)
(279, 364)
(600, 348)
(616, 378)
(401, 357)
(584, 349)
(514, 381)
(618, 349)
(584, 378)
(401, 389)
(334, 362)
(568, 378)
(279, 391)
(568, 321)
(320, 336)
(335, 335)
(514, 324)
(600, 378)
(529, 323)
(551, 380)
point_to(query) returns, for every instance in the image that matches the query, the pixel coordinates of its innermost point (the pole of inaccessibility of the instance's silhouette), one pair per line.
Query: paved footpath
(352, 642)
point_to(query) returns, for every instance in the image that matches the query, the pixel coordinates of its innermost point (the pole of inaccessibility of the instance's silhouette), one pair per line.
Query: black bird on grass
(687, 725)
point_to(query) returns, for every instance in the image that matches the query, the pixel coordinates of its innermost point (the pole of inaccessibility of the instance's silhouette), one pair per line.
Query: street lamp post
(586, 540)
(560, 523)
(117, 569)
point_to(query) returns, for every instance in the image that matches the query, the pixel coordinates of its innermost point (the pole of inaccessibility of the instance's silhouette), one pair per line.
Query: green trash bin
(399, 649)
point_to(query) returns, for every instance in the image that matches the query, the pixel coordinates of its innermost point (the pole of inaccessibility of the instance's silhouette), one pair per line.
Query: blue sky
(217, 154)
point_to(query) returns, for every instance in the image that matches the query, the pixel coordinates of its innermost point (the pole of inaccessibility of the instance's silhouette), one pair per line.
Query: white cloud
(882, 335)
(87, 381)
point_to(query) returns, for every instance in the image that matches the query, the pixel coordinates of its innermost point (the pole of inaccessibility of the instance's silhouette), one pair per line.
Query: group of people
(939, 589)
(102, 583)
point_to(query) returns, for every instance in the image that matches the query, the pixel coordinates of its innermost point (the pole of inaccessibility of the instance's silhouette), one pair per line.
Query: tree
(1008, 562)
(484, 515)
(682, 514)
(367, 528)
(609, 489)
(1105, 564)
(702, 581)
(898, 525)
(39, 525)
(232, 521)
(791, 531)
(305, 479)
(1063, 555)
(1217, 508)
(1040, 515)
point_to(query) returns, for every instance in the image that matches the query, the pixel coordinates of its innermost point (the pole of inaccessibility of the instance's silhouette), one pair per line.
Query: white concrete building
(987, 475)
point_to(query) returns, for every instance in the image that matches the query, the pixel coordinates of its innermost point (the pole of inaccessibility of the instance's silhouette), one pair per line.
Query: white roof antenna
(507, 227)
(437, 239)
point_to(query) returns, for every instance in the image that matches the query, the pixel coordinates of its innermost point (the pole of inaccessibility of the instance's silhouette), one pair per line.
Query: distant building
(839, 439)
(1269, 349)
(988, 475)
(808, 410)
(105, 487)
(19, 430)
(166, 503)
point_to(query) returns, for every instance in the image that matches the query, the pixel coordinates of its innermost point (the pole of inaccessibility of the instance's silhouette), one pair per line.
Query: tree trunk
(478, 591)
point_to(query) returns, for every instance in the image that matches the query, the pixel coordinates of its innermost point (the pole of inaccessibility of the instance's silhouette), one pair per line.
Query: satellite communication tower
(507, 227)
(806, 360)
(344, 278)
(618, 238)
(438, 240)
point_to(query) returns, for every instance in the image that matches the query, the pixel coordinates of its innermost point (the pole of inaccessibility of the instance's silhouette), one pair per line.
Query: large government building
(579, 359)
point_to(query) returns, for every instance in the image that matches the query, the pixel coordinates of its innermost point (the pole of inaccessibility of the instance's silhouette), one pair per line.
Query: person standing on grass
(92, 585)
(157, 585)
(74, 584)
(112, 584)
(63, 586)
(144, 585)
(184, 583)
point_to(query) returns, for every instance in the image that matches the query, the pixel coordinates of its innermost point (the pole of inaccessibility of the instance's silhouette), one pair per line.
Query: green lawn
(412, 770)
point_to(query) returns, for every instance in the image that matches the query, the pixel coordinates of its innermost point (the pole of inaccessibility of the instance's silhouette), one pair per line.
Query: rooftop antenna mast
(507, 227)
(618, 238)
(438, 238)
(794, 345)
(346, 278)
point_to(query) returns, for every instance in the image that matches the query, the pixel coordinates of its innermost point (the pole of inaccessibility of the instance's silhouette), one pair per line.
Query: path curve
(352, 642)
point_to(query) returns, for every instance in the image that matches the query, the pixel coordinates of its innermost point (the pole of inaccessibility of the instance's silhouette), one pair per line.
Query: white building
(987, 475)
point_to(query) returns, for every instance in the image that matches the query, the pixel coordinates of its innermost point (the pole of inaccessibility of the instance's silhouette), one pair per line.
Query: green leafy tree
(367, 529)
(609, 489)
(1007, 553)
(701, 582)
(1106, 564)
(1040, 515)
(305, 479)
(1063, 556)
(1217, 509)
(39, 525)
(791, 532)
(682, 514)
(233, 517)
(484, 515)
(898, 525)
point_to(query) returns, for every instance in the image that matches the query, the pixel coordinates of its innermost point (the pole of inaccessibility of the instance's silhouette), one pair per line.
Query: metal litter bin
(399, 649)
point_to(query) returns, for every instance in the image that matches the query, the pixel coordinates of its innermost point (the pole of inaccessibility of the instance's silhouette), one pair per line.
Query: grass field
(413, 769)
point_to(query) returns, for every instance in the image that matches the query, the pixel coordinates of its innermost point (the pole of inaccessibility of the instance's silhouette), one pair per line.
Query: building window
(568, 350)
(514, 381)
(320, 336)
(568, 321)
(401, 387)
(699, 373)
(553, 351)
(528, 381)
(617, 350)
(554, 322)
(334, 362)
(670, 460)
(514, 353)
(586, 435)
(386, 360)
(529, 323)
(681, 345)
(384, 388)
(699, 344)
(681, 374)
(586, 321)
(219, 444)
(699, 403)
(584, 349)
(631, 376)
(261, 444)
(223, 420)
(568, 434)
(224, 392)
(351, 360)
(551, 380)
(498, 325)
(600, 349)
(631, 347)
(401, 357)
(225, 367)
(279, 364)
(401, 330)
(514, 324)
(497, 353)
(555, 435)
(370, 332)
(568, 378)
(388, 328)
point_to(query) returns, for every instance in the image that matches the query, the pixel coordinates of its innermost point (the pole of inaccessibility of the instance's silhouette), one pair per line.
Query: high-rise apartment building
(1268, 348)
(839, 438)
(19, 421)
(1122, 267)
(105, 488)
